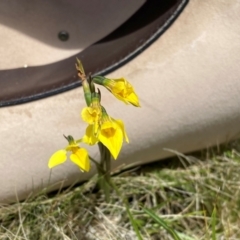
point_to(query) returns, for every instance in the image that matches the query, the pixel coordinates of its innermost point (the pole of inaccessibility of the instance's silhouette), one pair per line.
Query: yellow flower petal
(133, 99)
(122, 90)
(89, 136)
(80, 158)
(71, 146)
(111, 136)
(121, 124)
(90, 115)
(57, 158)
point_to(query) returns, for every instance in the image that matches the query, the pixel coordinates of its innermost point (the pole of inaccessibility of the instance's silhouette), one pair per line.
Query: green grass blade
(162, 223)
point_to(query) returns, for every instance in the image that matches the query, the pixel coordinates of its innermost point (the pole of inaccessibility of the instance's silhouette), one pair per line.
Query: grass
(194, 197)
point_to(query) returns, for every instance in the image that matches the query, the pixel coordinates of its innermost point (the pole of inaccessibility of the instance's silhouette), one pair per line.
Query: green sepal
(99, 80)
(96, 96)
(69, 138)
(87, 92)
(91, 84)
(88, 98)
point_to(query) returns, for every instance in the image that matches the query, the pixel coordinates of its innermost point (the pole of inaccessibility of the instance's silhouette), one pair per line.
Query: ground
(193, 196)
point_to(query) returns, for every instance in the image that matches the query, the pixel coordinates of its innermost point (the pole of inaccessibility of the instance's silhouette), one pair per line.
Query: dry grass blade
(198, 197)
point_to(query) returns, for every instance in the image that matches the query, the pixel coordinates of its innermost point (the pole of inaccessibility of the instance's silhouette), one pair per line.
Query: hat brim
(108, 54)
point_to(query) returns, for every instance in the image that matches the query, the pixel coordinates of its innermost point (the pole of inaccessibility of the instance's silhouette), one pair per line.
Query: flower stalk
(102, 129)
(104, 172)
(108, 133)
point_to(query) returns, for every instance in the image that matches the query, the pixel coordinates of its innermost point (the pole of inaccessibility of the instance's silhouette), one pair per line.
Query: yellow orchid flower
(110, 134)
(79, 156)
(120, 88)
(93, 113)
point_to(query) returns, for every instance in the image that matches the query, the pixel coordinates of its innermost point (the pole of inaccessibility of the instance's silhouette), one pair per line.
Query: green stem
(104, 176)
(99, 168)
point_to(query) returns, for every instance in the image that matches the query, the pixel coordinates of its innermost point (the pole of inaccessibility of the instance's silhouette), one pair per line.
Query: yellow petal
(57, 158)
(71, 146)
(133, 99)
(121, 124)
(111, 137)
(120, 97)
(86, 115)
(89, 136)
(91, 115)
(80, 158)
(119, 86)
(123, 91)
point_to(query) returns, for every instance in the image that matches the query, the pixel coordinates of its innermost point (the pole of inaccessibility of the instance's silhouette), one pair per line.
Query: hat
(181, 58)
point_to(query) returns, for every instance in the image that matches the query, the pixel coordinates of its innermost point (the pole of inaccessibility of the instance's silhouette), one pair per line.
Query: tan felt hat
(187, 81)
